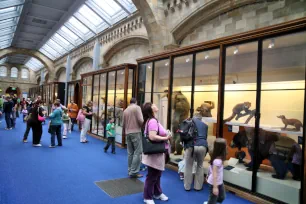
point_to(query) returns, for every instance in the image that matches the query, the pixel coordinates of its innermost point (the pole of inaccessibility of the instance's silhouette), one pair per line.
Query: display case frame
(76, 86)
(92, 76)
(222, 44)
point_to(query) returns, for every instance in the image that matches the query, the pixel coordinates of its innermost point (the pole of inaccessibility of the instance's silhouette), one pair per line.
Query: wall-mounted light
(206, 55)
(187, 60)
(271, 44)
(167, 63)
(122, 72)
(236, 50)
(149, 67)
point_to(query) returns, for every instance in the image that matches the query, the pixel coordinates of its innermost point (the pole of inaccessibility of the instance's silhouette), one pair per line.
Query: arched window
(14, 72)
(24, 73)
(3, 71)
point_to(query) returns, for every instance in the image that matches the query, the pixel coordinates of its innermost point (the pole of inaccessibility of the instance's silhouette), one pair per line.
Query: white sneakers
(162, 197)
(149, 201)
(64, 137)
(37, 145)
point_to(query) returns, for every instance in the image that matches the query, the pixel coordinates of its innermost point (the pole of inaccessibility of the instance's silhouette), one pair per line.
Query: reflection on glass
(180, 106)
(119, 104)
(206, 91)
(160, 90)
(95, 108)
(281, 122)
(102, 102)
(239, 110)
(111, 95)
(145, 83)
(86, 95)
(130, 86)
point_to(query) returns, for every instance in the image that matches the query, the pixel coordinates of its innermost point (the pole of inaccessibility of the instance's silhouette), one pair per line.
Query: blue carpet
(66, 175)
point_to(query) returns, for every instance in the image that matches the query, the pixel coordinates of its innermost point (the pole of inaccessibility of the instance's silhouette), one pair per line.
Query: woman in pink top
(155, 162)
(215, 173)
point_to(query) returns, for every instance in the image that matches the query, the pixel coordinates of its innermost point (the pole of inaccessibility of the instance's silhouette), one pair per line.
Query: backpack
(188, 130)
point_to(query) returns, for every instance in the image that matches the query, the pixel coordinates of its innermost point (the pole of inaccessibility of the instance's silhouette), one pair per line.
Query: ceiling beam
(48, 7)
(31, 33)
(26, 24)
(11, 3)
(42, 18)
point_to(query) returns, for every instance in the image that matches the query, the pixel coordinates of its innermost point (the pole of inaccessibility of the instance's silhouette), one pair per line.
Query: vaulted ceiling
(54, 27)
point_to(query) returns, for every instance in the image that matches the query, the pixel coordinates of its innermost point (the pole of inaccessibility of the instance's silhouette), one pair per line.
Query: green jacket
(65, 118)
(1, 103)
(56, 117)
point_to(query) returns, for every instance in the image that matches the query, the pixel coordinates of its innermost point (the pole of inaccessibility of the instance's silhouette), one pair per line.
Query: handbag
(152, 147)
(40, 118)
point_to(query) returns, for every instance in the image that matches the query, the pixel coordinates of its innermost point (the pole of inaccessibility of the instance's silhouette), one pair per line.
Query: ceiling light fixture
(207, 55)
(236, 50)
(271, 44)
(187, 60)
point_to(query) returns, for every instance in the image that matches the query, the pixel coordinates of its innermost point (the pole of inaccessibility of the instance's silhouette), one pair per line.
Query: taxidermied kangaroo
(294, 122)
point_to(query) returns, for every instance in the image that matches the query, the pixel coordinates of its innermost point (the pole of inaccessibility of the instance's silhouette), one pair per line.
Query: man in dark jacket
(7, 110)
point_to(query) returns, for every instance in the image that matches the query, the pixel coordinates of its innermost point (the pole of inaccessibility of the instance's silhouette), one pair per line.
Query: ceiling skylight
(92, 17)
(34, 64)
(10, 12)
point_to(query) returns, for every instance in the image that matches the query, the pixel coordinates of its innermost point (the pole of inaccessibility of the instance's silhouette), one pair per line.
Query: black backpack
(188, 130)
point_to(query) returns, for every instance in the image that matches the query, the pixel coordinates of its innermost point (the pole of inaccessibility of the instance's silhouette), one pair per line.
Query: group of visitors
(137, 122)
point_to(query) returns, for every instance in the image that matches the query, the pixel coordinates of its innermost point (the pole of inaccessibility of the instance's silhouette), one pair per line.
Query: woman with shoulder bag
(155, 162)
(36, 120)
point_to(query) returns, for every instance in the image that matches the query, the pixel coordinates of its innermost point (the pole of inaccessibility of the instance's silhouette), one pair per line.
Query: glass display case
(73, 92)
(249, 90)
(110, 90)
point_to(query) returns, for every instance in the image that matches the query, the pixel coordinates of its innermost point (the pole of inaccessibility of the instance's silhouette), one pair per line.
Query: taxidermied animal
(267, 141)
(293, 122)
(181, 110)
(238, 109)
(205, 109)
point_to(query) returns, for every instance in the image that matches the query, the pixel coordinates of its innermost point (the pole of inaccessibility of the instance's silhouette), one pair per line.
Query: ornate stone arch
(123, 43)
(48, 63)
(77, 65)
(58, 72)
(206, 13)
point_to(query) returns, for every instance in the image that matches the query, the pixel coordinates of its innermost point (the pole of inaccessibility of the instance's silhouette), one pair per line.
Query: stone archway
(48, 63)
(58, 73)
(123, 43)
(13, 91)
(77, 65)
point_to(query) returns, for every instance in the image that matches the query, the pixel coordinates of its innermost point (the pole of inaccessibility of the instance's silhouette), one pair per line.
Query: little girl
(66, 121)
(215, 173)
(24, 113)
(80, 118)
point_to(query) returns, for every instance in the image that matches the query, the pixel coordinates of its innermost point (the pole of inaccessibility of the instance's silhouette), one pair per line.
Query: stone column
(96, 55)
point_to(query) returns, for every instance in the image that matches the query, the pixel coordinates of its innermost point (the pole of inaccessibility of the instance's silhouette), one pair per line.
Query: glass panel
(14, 72)
(130, 86)
(95, 108)
(51, 51)
(281, 122)
(68, 32)
(90, 15)
(119, 104)
(47, 53)
(78, 25)
(160, 90)
(56, 47)
(206, 92)
(86, 85)
(6, 10)
(109, 6)
(145, 83)
(102, 105)
(239, 108)
(25, 73)
(110, 95)
(181, 97)
(3, 71)
(63, 40)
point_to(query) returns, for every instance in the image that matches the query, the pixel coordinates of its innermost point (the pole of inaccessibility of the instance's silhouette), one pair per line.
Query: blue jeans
(8, 120)
(56, 130)
(279, 165)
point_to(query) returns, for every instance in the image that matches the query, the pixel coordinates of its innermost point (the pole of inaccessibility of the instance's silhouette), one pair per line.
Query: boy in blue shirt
(111, 134)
